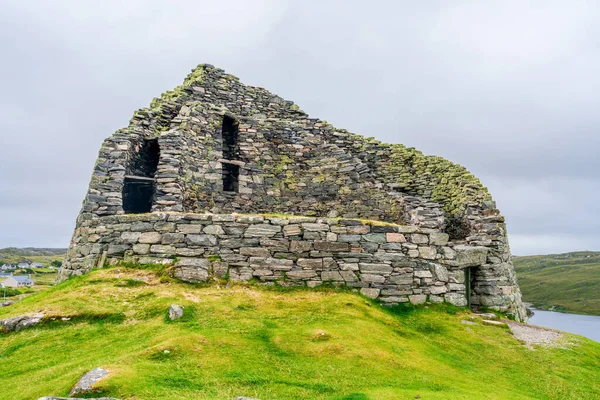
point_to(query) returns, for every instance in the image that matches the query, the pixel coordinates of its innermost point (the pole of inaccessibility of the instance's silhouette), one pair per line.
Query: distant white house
(8, 267)
(23, 265)
(37, 265)
(16, 281)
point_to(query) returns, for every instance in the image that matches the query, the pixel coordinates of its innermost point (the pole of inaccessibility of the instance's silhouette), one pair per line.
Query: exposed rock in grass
(87, 381)
(489, 316)
(490, 322)
(22, 321)
(75, 398)
(175, 312)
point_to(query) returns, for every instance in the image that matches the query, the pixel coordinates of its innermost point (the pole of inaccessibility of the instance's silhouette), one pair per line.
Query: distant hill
(13, 255)
(568, 282)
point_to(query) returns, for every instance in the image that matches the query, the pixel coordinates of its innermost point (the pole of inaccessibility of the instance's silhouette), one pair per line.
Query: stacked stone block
(393, 263)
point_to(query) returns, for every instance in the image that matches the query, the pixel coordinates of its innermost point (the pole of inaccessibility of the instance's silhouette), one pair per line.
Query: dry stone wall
(393, 263)
(288, 163)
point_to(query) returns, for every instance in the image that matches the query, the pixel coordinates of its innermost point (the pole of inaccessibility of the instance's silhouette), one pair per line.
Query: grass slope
(564, 282)
(273, 344)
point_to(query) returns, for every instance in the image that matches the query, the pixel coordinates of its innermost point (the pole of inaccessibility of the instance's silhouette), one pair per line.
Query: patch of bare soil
(534, 335)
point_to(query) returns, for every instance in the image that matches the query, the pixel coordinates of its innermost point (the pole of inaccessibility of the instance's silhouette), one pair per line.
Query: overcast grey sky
(510, 89)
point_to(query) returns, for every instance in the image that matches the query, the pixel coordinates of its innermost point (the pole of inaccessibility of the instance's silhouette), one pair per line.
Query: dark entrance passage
(231, 171)
(469, 283)
(139, 185)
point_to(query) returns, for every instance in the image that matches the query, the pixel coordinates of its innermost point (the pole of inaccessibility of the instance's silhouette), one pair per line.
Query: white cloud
(506, 88)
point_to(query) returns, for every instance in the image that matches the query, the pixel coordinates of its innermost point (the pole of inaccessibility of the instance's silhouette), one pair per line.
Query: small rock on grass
(22, 321)
(175, 312)
(87, 381)
(75, 398)
(490, 316)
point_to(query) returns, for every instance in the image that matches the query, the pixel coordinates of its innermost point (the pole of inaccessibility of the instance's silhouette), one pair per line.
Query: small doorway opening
(470, 284)
(231, 171)
(139, 186)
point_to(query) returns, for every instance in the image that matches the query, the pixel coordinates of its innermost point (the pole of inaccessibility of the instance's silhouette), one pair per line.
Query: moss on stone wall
(400, 168)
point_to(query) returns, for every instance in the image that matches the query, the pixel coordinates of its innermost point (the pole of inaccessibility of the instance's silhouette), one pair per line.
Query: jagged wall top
(400, 168)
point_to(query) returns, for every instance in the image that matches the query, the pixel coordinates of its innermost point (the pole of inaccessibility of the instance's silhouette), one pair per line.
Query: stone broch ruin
(222, 180)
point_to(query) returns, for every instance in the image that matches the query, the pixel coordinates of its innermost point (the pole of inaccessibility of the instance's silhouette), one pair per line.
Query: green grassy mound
(567, 282)
(273, 344)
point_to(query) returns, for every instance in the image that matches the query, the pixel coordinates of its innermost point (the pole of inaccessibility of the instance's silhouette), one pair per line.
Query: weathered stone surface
(438, 289)
(190, 274)
(371, 293)
(368, 268)
(150, 237)
(375, 237)
(371, 278)
(141, 248)
(292, 230)
(262, 230)
(162, 249)
(189, 228)
(88, 380)
(130, 237)
(349, 238)
(193, 262)
(175, 312)
(214, 230)
(301, 274)
(423, 274)
(440, 272)
(417, 299)
(418, 238)
(457, 299)
(250, 219)
(428, 253)
(201, 240)
(438, 238)
(315, 227)
(23, 321)
(255, 251)
(331, 276)
(300, 246)
(470, 256)
(395, 238)
(331, 246)
(171, 238)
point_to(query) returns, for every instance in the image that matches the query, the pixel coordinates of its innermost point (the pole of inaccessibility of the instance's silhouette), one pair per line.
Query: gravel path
(534, 334)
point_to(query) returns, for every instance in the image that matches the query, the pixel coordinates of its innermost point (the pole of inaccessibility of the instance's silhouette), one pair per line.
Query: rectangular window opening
(231, 171)
(230, 138)
(139, 186)
(231, 175)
